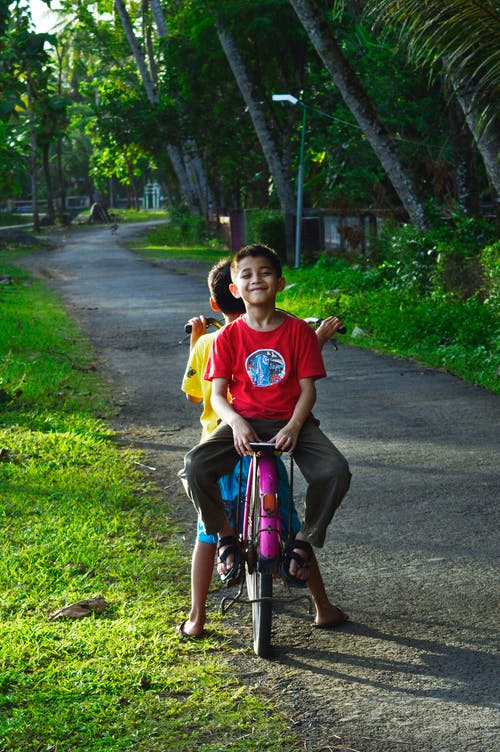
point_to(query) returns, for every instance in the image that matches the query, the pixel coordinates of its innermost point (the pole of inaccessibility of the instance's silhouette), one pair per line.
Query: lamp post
(300, 176)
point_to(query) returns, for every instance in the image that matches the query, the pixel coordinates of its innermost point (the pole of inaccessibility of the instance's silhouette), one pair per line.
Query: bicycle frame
(263, 480)
(261, 547)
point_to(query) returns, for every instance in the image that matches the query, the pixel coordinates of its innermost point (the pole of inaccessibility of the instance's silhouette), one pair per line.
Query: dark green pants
(322, 465)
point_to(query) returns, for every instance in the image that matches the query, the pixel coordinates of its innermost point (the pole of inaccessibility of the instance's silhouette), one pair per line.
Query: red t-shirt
(263, 368)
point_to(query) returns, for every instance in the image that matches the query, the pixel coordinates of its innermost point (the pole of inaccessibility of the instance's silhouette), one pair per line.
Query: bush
(185, 228)
(442, 330)
(267, 226)
(445, 259)
(490, 262)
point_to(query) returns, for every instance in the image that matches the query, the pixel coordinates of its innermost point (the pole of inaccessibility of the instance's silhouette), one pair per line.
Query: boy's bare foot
(330, 618)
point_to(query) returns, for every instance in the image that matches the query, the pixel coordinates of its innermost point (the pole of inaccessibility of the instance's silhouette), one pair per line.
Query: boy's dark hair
(219, 279)
(257, 250)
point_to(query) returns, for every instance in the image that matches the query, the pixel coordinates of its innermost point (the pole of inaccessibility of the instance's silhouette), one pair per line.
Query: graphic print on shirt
(265, 367)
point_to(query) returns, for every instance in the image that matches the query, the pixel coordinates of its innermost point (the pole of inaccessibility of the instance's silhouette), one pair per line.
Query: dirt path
(411, 552)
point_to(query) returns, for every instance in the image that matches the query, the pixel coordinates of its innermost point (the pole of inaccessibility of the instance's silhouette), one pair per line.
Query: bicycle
(262, 541)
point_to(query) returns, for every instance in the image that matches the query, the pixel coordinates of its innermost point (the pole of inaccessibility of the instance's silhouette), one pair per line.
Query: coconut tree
(461, 39)
(320, 32)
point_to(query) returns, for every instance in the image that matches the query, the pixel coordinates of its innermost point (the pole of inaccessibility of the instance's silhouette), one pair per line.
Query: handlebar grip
(188, 328)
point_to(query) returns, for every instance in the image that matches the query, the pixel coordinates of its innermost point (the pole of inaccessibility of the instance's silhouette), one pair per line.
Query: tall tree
(280, 177)
(461, 39)
(360, 104)
(183, 176)
(192, 170)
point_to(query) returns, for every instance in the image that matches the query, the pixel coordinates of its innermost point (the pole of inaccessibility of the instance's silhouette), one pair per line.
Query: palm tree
(188, 169)
(264, 133)
(461, 38)
(320, 32)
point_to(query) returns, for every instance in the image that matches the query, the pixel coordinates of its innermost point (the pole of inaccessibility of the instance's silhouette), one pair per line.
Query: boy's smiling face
(256, 281)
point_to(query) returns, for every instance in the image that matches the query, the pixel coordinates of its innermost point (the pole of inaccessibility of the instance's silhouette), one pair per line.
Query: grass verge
(445, 332)
(79, 520)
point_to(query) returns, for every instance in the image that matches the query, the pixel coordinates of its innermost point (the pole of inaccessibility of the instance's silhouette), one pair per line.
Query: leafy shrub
(409, 258)
(185, 228)
(267, 226)
(445, 259)
(490, 262)
(442, 330)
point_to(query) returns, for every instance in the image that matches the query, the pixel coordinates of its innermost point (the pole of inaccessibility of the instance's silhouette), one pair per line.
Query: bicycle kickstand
(230, 600)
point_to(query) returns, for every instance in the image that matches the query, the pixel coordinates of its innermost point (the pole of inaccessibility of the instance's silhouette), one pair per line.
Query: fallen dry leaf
(77, 610)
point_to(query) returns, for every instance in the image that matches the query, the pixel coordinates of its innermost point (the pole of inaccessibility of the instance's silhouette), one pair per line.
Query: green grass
(163, 243)
(78, 520)
(140, 215)
(129, 215)
(8, 218)
(460, 336)
(443, 331)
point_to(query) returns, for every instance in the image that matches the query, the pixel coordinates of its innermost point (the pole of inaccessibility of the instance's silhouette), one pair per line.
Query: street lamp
(300, 177)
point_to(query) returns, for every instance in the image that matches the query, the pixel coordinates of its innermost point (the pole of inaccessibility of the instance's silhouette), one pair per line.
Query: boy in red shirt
(269, 361)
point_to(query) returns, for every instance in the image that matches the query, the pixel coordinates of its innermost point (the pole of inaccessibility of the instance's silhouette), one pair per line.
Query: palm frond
(459, 37)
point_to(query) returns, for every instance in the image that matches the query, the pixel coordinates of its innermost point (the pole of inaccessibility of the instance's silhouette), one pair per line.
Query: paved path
(411, 553)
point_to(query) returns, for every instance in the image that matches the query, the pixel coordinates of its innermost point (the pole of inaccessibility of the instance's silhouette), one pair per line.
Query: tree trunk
(200, 178)
(61, 181)
(147, 34)
(193, 201)
(361, 106)
(50, 217)
(33, 156)
(194, 171)
(137, 51)
(465, 159)
(183, 178)
(280, 178)
(159, 18)
(487, 139)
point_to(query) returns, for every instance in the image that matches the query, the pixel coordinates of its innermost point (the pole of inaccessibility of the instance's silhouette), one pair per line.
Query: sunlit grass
(444, 332)
(459, 336)
(78, 519)
(10, 219)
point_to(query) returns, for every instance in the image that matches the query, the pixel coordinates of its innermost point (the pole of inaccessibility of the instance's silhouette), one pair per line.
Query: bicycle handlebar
(215, 322)
(188, 328)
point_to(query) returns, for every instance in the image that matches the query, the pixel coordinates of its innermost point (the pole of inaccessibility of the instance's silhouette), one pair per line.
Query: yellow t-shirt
(195, 385)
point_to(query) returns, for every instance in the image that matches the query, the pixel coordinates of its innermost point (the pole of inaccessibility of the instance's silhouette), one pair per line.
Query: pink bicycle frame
(269, 535)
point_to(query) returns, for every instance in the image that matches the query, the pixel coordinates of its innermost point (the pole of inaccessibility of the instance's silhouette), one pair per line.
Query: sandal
(304, 563)
(231, 548)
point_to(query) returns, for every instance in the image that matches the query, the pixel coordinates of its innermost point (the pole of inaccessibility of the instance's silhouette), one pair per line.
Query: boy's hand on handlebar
(286, 439)
(327, 329)
(198, 328)
(243, 435)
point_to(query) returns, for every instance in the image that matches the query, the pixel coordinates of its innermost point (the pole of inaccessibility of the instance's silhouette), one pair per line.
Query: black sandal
(291, 554)
(231, 548)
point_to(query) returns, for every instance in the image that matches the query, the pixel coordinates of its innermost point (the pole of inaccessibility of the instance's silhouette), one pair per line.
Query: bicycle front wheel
(260, 592)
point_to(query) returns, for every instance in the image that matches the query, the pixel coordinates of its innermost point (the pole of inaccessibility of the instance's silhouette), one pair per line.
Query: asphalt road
(412, 552)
